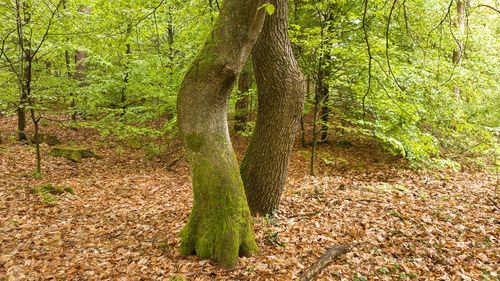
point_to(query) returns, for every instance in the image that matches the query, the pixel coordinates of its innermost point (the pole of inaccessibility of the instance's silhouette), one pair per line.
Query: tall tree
(220, 225)
(23, 18)
(281, 90)
(458, 53)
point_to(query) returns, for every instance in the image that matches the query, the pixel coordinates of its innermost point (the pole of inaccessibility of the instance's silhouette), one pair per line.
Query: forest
(249, 140)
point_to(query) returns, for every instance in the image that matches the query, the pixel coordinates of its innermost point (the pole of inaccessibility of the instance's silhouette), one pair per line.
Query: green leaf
(270, 9)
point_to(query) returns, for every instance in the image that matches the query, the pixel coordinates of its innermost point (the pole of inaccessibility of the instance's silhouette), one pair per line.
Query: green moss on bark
(194, 142)
(220, 225)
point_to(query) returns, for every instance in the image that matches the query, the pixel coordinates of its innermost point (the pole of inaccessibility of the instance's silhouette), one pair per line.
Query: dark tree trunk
(314, 133)
(123, 91)
(459, 52)
(323, 89)
(243, 101)
(24, 44)
(281, 91)
(220, 225)
(21, 119)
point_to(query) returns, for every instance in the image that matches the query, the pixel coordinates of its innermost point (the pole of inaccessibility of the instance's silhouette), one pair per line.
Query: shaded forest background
(420, 77)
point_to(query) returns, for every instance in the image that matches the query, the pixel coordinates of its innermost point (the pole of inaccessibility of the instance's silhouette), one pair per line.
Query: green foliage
(134, 55)
(414, 110)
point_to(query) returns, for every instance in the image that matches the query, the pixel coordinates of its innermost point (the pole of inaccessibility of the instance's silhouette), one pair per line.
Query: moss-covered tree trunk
(281, 90)
(220, 225)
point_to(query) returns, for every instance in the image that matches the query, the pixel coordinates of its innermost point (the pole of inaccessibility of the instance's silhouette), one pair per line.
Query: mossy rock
(49, 193)
(177, 278)
(50, 140)
(75, 154)
(52, 189)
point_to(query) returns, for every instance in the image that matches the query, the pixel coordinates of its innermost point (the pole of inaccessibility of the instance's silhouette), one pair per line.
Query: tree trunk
(243, 101)
(80, 56)
(281, 91)
(21, 21)
(459, 52)
(323, 89)
(123, 91)
(220, 225)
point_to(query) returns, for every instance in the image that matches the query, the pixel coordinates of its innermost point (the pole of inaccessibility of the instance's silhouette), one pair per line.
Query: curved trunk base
(220, 224)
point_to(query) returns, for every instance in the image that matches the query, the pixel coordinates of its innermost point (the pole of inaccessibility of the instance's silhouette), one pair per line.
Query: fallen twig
(304, 215)
(324, 261)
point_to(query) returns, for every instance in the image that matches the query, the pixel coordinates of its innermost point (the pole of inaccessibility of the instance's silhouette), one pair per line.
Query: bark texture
(281, 90)
(220, 225)
(459, 52)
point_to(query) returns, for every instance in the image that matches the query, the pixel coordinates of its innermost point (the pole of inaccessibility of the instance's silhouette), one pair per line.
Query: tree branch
(324, 261)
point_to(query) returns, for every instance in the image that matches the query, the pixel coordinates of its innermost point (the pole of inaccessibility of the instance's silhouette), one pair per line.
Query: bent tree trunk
(220, 225)
(281, 90)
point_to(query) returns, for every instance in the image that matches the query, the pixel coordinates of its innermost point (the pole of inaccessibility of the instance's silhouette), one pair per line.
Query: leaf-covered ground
(123, 221)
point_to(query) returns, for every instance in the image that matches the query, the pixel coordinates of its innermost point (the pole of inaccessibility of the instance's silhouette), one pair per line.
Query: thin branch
(387, 46)
(324, 261)
(149, 14)
(489, 7)
(448, 11)
(3, 42)
(49, 25)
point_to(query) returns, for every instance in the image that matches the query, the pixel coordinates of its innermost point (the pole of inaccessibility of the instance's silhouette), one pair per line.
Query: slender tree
(458, 53)
(281, 90)
(243, 101)
(220, 225)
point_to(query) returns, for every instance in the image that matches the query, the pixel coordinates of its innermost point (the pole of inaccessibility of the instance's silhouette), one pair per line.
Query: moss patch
(220, 225)
(50, 140)
(194, 142)
(177, 278)
(75, 154)
(49, 192)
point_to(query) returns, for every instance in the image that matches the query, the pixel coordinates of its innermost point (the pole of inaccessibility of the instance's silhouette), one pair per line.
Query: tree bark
(323, 89)
(220, 225)
(25, 46)
(281, 90)
(459, 52)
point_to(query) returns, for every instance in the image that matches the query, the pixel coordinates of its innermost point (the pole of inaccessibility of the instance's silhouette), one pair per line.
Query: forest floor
(124, 218)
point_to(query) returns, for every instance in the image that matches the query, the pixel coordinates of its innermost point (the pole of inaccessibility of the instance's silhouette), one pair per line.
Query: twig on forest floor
(324, 261)
(494, 203)
(304, 215)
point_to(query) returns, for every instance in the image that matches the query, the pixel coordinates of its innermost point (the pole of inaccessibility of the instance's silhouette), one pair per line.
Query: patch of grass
(37, 175)
(274, 239)
(12, 138)
(163, 246)
(359, 277)
(383, 270)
